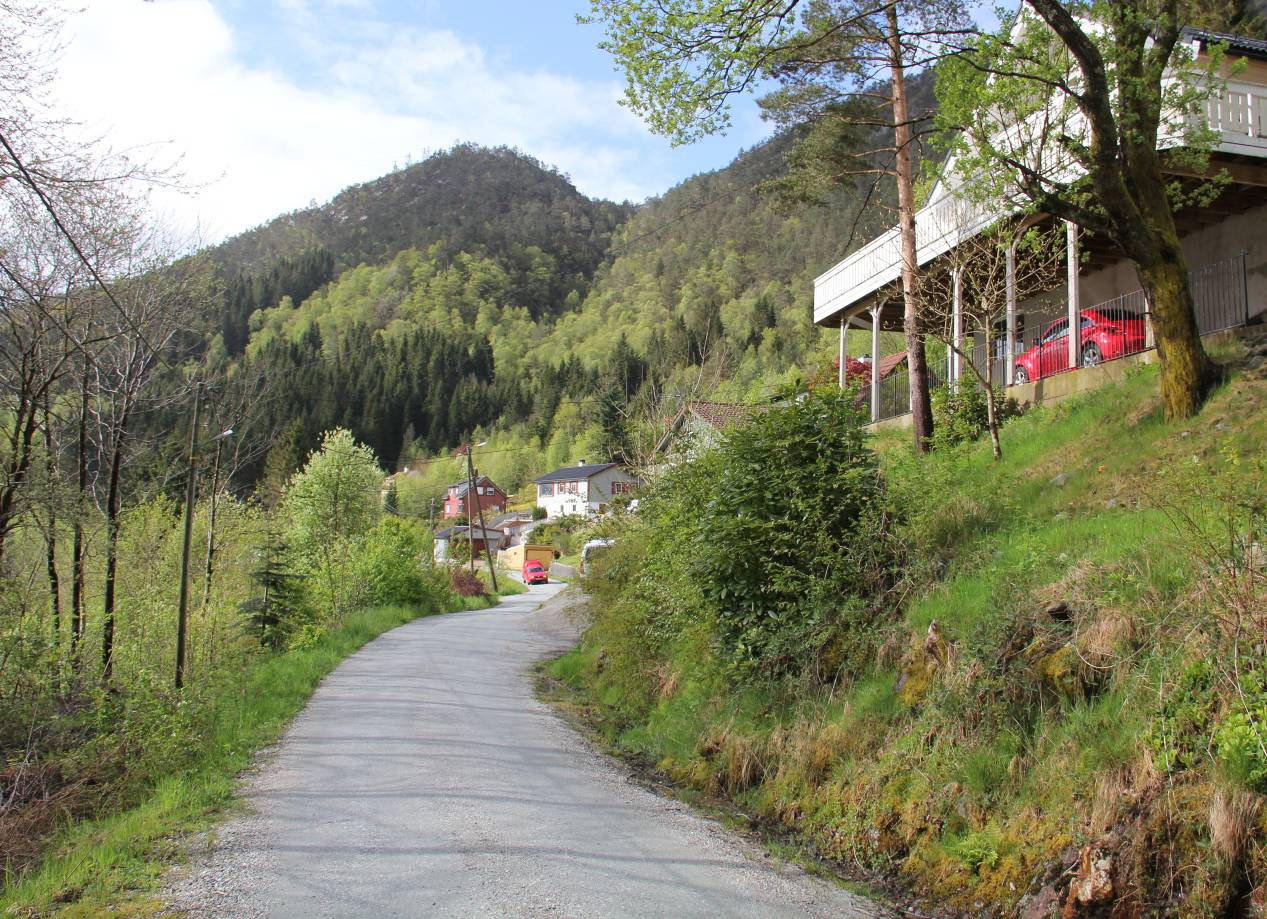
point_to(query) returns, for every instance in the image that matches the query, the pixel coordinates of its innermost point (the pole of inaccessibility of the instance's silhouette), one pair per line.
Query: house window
(622, 488)
(545, 491)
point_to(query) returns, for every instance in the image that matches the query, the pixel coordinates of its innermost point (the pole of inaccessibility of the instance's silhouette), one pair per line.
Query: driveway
(425, 779)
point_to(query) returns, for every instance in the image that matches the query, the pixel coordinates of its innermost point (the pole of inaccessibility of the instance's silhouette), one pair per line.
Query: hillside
(546, 235)
(1052, 689)
(521, 322)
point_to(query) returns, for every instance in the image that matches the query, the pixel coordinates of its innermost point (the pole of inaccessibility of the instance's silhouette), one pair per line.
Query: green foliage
(1180, 736)
(567, 534)
(1241, 737)
(978, 113)
(392, 566)
(330, 505)
(960, 413)
(978, 849)
(192, 751)
(538, 513)
(795, 543)
(278, 608)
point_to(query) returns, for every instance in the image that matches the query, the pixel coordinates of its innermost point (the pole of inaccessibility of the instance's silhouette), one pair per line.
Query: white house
(582, 489)
(1223, 242)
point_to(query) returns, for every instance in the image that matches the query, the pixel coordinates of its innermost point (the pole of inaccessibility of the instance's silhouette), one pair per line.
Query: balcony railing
(1238, 113)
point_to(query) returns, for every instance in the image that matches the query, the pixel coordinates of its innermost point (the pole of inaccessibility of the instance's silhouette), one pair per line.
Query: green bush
(960, 414)
(1241, 738)
(392, 565)
(794, 543)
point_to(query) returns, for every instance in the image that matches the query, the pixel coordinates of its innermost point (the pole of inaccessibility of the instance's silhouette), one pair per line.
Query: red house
(492, 500)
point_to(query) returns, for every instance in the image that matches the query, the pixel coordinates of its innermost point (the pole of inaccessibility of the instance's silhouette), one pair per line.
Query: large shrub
(392, 565)
(332, 503)
(794, 544)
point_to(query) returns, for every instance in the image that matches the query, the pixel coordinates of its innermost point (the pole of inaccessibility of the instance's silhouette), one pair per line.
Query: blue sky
(268, 105)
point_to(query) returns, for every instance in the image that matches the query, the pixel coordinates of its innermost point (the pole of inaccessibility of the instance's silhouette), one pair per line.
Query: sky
(268, 106)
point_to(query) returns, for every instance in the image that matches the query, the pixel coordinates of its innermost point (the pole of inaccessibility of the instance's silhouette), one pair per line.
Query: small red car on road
(1106, 334)
(535, 573)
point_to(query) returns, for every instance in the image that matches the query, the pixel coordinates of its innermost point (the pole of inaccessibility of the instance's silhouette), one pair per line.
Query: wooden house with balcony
(1224, 242)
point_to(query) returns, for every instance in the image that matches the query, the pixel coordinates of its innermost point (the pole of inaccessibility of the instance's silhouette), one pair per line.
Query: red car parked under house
(1106, 334)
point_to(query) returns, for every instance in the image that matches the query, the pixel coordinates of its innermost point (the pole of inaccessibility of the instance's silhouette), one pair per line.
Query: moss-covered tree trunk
(1186, 370)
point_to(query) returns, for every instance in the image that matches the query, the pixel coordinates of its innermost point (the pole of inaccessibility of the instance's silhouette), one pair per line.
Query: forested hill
(526, 312)
(497, 201)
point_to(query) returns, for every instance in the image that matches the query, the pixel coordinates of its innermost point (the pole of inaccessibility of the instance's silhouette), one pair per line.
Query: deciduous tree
(1056, 115)
(848, 61)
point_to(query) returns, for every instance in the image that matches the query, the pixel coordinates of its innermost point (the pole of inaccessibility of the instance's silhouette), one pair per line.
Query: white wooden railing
(1239, 114)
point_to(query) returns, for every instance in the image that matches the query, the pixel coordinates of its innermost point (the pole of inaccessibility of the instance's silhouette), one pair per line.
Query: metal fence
(1220, 295)
(1220, 300)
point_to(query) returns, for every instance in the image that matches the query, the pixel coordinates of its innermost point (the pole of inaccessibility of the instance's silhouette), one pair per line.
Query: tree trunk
(112, 553)
(991, 413)
(50, 539)
(77, 548)
(904, 168)
(1187, 373)
(24, 425)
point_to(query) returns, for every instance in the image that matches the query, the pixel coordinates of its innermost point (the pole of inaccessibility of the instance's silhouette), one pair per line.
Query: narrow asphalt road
(425, 779)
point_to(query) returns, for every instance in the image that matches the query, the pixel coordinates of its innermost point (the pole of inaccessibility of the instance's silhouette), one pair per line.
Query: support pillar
(875, 363)
(1075, 298)
(843, 353)
(1009, 365)
(956, 327)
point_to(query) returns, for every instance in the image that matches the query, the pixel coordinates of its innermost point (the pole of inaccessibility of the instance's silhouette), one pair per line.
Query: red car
(534, 573)
(1106, 334)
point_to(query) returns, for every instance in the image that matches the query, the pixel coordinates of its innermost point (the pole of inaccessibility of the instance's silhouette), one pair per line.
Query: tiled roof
(891, 362)
(573, 473)
(722, 415)
(1252, 47)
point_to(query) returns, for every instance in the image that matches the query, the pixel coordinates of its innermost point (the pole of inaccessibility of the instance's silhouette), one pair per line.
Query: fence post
(1009, 362)
(1244, 287)
(875, 362)
(1074, 295)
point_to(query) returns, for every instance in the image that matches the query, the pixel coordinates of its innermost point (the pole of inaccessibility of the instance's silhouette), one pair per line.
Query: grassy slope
(974, 777)
(113, 865)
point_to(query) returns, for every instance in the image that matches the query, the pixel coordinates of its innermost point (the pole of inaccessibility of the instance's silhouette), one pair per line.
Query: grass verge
(114, 865)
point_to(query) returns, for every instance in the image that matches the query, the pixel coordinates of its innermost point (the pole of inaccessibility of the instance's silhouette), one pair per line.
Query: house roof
(573, 473)
(722, 415)
(460, 531)
(463, 485)
(891, 362)
(1238, 44)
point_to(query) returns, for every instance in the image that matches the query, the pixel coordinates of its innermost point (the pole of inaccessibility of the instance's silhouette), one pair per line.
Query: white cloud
(262, 143)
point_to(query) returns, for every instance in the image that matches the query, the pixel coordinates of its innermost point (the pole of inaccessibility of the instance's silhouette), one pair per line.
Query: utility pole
(488, 552)
(211, 522)
(470, 518)
(191, 470)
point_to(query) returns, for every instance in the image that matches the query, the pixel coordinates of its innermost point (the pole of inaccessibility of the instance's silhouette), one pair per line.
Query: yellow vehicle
(514, 557)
